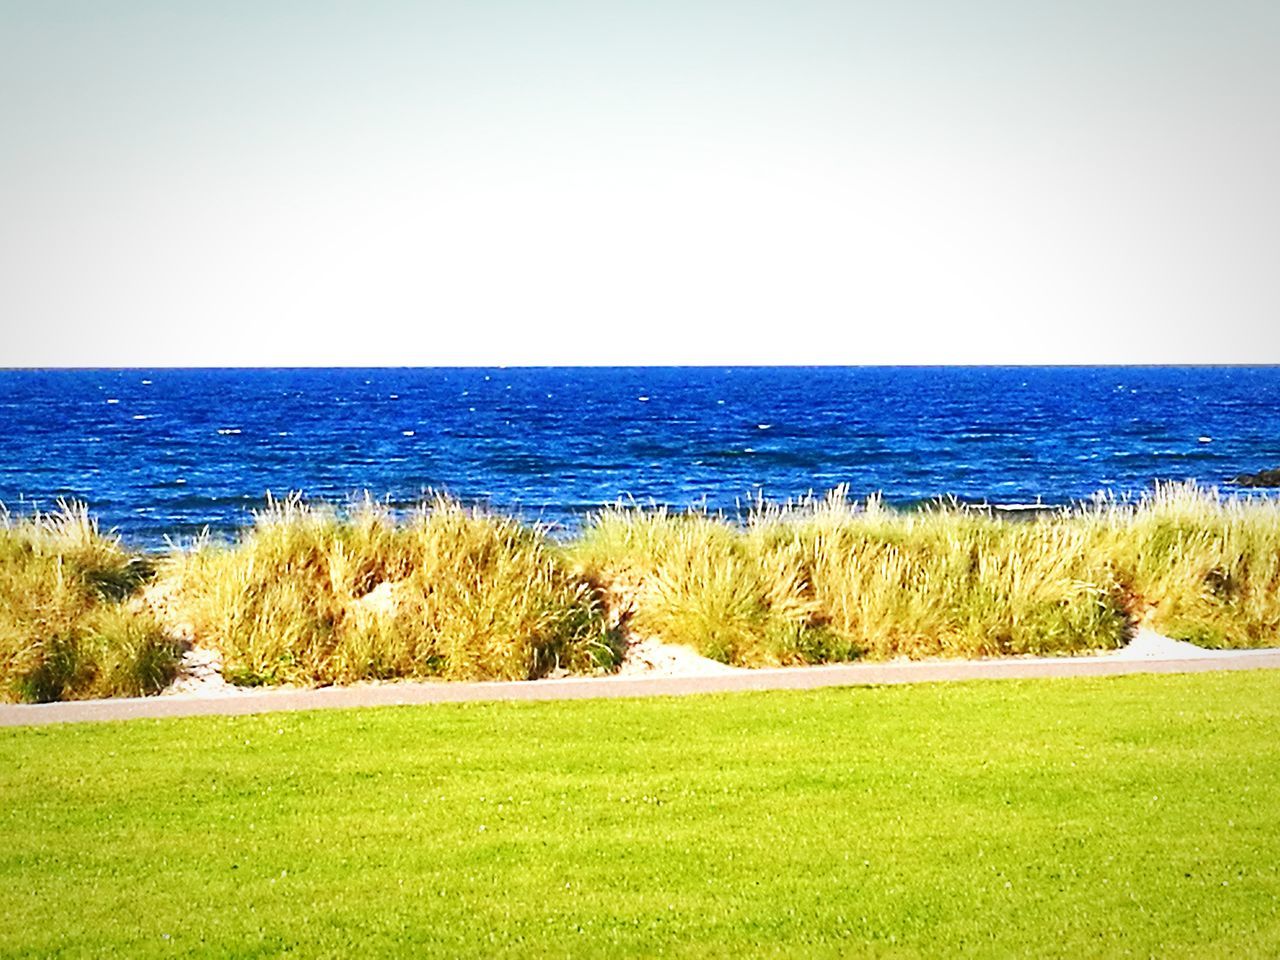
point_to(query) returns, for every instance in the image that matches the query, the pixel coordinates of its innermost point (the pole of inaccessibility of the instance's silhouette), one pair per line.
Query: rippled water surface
(158, 452)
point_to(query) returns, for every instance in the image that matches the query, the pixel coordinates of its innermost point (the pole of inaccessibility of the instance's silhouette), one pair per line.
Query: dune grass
(312, 595)
(308, 596)
(1128, 816)
(1196, 567)
(70, 626)
(834, 579)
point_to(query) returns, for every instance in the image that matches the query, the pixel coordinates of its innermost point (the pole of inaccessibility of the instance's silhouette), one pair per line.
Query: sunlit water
(167, 452)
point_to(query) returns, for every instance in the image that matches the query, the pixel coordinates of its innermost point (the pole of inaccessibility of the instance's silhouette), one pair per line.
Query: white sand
(1149, 645)
(653, 658)
(200, 674)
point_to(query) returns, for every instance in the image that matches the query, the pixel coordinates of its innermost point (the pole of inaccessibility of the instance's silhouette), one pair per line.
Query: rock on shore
(1263, 478)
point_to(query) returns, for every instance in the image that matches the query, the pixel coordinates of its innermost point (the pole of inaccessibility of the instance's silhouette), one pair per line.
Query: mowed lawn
(1083, 817)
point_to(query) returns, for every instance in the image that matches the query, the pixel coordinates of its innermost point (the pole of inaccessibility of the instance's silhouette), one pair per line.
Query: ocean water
(167, 452)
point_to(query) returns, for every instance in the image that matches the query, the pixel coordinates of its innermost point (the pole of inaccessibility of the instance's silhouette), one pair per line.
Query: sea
(160, 455)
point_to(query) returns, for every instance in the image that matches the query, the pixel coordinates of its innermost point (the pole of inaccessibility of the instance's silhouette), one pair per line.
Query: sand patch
(653, 658)
(1147, 644)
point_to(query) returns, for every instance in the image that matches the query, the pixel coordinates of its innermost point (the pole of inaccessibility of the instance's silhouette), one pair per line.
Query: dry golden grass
(1196, 567)
(308, 596)
(311, 595)
(832, 579)
(67, 627)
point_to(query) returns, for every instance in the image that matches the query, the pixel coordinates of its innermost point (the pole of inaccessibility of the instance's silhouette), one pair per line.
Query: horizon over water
(166, 452)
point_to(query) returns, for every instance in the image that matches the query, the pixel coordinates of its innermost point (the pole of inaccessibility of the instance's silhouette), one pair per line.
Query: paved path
(582, 688)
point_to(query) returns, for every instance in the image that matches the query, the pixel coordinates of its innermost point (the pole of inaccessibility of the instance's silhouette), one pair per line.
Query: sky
(666, 181)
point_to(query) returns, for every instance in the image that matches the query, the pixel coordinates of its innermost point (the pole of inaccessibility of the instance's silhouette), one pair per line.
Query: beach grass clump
(1196, 566)
(312, 596)
(947, 582)
(828, 579)
(71, 626)
(833, 579)
(693, 578)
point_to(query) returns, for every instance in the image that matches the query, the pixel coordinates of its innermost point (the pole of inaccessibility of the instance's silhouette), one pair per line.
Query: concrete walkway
(583, 688)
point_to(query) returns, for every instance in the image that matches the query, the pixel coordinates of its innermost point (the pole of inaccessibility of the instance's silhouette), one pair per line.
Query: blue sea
(167, 452)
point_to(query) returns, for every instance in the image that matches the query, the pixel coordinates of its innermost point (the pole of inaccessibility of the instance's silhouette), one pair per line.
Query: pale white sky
(648, 182)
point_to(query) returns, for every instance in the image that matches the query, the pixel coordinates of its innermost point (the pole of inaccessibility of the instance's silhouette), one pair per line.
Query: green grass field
(1126, 816)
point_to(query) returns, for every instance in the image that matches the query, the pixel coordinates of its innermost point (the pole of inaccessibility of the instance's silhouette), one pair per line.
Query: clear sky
(664, 181)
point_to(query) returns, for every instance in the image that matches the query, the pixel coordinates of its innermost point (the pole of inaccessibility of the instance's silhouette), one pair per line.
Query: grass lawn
(1121, 816)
